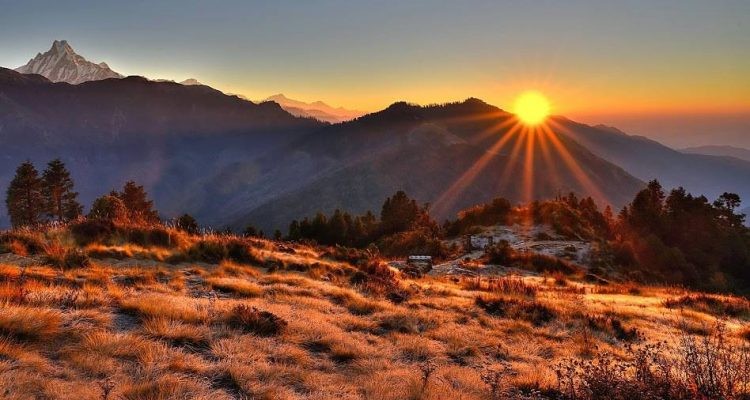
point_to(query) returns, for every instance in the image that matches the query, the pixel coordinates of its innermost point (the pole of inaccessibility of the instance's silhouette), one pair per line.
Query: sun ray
(447, 199)
(512, 160)
(528, 170)
(571, 163)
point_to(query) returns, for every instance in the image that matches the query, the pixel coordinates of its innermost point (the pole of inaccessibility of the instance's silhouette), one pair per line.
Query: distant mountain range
(647, 159)
(61, 64)
(230, 161)
(318, 110)
(728, 151)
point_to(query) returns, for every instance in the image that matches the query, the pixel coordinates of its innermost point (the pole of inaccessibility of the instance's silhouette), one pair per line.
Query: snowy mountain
(191, 82)
(318, 110)
(61, 64)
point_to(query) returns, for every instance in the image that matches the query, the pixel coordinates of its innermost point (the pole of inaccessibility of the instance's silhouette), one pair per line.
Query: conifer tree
(140, 208)
(60, 200)
(24, 196)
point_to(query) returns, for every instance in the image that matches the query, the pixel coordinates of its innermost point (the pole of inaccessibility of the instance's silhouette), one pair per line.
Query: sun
(531, 107)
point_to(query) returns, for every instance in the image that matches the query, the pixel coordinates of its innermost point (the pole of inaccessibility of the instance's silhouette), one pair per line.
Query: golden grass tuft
(167, 306)
(29, 322)
(238, 286)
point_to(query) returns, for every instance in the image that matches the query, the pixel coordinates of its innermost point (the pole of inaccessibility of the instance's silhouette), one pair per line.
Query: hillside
(165, 134)
(728, 151)
(426, 151)
(156, 313)
(646, 159)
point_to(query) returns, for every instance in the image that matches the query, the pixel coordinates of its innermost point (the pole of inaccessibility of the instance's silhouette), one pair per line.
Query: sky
(677, 71)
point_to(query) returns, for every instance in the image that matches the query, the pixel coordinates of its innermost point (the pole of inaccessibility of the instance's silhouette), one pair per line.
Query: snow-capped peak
(61, 64)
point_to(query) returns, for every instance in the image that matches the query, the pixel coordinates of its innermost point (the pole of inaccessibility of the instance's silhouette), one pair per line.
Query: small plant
(250, 319)
(532, 311)
(506, 285)
(210, 250)
(714, 305)
(66, 259)
(710, 367)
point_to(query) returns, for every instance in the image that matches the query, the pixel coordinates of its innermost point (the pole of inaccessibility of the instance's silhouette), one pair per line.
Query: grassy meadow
(153, 313)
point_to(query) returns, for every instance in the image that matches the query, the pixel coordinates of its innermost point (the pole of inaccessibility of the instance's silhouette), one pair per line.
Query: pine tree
(60, 201)
(140, 208)
(24, 196)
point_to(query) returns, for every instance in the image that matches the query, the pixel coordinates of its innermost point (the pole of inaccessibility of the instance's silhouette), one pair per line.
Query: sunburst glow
(531, 107)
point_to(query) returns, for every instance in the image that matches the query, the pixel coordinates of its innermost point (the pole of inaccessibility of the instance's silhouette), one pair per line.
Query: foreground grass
(289, 324)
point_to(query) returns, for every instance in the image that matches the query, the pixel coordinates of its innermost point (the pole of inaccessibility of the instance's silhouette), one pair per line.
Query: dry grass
(238, 286)
(144, 321)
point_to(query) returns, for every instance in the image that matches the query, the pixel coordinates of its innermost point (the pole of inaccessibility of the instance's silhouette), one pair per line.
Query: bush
(711, 367)
(527, 310)
(68, 259)
(21, 242)
(500, 253)
(250, 319)
(507, 285)
(211, 251)
(714, 305)
(240, 252)
(614, 327)
(543, 263)
(420, 241)
(188, 224)
(92, 231)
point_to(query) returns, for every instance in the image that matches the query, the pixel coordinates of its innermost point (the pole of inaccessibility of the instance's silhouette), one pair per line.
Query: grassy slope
(138, 328)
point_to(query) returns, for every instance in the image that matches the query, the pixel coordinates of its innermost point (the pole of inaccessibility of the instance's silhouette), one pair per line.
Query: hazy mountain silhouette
(728, 151)
(647, 159)
(318, 109)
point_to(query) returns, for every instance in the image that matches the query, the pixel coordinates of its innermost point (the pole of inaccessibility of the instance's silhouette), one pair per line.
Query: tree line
(33, 199)
(403, 226)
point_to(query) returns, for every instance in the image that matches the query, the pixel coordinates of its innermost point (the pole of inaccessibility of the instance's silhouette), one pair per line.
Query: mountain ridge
(317, 109)
(719, 150)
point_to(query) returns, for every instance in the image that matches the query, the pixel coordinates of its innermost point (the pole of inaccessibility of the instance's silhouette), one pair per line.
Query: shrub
(544, 263)
(500, 253)
(348, 254)
(211, 251)
(714, 305)
(92, 230)
(21, 242)
(240, 252)
(710, 367)
(420, 241)
(66, 259)
(507, 285)
(188, 224)
(612, 326)
(532, 311)
(250, 319)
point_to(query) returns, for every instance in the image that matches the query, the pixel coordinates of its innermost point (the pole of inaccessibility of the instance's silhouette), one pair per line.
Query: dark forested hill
(452, 156)
(163, 134)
